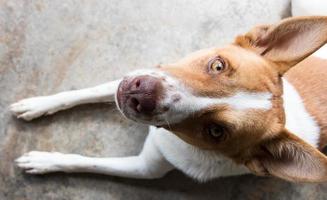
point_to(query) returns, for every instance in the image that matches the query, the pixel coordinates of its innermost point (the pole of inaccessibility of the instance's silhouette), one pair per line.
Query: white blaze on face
(239, 101)
(188, 103)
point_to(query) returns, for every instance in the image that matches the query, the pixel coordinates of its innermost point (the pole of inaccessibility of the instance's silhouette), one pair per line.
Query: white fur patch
(32, 108)
(298, 120)
(190, 104)
(197, 163)
(239, 101)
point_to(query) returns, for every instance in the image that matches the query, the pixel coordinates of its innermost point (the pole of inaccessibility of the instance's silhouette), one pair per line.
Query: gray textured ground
(51, 46)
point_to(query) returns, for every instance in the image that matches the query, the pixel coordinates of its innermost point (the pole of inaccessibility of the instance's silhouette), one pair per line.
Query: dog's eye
(217, 65)
(216, 131)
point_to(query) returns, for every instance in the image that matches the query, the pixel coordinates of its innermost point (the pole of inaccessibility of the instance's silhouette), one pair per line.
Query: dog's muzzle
(138, 96)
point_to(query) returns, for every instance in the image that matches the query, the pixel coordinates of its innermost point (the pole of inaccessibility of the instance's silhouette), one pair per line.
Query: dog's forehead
(242, 65)
(231, 51)
(198, 58)
(241, 62)
(200, 54)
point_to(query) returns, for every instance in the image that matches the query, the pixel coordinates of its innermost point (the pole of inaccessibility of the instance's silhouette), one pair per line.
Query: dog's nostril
(138, 83)
(138, 108)
(135, 104)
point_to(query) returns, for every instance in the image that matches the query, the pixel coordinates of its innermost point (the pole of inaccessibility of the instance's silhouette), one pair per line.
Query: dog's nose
(140, 94)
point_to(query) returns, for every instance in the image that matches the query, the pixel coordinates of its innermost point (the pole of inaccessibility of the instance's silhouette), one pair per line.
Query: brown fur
(256, 62)
(238, 76)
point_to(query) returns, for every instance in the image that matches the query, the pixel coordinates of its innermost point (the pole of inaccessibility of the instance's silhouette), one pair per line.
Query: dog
(257, 105)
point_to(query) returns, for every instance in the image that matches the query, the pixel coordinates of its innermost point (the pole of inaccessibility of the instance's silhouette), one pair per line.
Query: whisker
(167, 123)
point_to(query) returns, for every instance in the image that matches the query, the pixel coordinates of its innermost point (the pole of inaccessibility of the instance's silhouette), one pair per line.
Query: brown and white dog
(246, 107)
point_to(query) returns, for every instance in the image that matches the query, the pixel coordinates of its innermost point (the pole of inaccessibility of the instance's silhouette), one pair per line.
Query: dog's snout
(143, 94)
(140, 94)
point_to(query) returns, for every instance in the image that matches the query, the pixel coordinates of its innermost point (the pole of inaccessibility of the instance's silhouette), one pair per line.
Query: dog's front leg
(31, 108)
(149, 164)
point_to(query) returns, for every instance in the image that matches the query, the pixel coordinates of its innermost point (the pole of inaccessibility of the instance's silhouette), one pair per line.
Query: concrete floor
(51, 46)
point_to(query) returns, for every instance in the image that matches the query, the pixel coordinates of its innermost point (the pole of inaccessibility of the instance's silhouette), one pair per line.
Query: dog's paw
(38, 162)
(32, 108)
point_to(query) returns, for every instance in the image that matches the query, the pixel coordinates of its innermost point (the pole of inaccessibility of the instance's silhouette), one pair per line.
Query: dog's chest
(197, 163)
(305, 98)
(298, 119)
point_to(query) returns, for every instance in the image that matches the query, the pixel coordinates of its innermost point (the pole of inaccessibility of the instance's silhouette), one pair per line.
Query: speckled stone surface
(52, 46)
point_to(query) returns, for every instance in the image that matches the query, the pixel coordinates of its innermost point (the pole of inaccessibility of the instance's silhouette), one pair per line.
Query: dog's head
(230, 99)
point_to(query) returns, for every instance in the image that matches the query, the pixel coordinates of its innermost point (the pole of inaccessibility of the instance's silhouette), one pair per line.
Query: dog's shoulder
(193, 161)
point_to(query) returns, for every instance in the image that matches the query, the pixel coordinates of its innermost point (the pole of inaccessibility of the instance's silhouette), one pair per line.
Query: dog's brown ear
(288, 157)
(287, 42)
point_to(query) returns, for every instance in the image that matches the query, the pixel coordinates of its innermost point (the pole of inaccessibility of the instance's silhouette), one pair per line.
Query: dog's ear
(288, 157)
(287, 42)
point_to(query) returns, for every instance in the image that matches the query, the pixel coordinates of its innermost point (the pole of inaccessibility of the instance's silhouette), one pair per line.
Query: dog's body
(304, 102)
